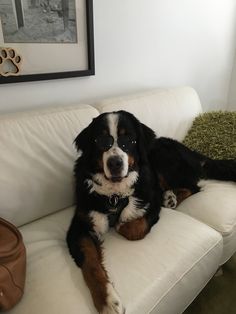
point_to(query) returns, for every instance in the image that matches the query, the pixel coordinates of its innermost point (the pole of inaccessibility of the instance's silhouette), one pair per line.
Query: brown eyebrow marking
(104, 132)
(122, 131)
(100, 164)
(131, 160)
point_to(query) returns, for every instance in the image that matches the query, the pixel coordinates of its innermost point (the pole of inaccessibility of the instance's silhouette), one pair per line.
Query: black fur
(182, 167)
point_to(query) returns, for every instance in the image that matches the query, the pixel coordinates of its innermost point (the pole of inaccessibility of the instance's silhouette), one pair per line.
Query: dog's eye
(104, 142)
(126, 142)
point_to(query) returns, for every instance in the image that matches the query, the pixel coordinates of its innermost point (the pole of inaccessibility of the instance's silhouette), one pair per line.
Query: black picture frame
(67, 74)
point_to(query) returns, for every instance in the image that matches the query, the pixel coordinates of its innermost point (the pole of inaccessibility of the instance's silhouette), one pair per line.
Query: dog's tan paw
(113, 302)
(133, 230)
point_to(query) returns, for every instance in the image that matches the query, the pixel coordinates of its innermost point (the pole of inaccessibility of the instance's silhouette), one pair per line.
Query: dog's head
(115, 143)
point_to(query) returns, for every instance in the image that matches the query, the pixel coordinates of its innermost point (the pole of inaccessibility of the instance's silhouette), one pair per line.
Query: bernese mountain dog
(123, 176)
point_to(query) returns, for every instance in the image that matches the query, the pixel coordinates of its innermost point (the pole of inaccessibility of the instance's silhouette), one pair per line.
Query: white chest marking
(131, 211)
(100, 222)
(102, 186)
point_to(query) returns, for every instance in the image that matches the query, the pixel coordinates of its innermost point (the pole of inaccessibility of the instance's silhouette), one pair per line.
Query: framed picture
(46, 39)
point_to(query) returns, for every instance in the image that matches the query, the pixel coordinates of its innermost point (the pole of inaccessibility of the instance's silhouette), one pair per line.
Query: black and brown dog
(123, 176)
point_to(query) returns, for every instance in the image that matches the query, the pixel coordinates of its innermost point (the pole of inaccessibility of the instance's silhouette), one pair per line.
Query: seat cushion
(159, 274)
(215, 205)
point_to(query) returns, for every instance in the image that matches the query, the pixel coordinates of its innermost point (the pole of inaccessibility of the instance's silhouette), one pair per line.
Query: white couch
(162, 273)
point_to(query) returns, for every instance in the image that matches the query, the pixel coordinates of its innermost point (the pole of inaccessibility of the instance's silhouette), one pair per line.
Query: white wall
(143, 44)
(232, 90)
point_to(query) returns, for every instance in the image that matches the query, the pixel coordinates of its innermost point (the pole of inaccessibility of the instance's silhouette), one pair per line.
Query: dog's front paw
(133, 230)
(113, 302)
(169, 199)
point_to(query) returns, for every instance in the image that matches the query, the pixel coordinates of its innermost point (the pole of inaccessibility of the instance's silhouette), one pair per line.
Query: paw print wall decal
(10, 62)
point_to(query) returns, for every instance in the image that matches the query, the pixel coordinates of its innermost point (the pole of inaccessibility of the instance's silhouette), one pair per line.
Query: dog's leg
(135, 222)
(134, 230)
(104, 295)
(132, 225)
(182, 194)
(172, 198)
(87, 253)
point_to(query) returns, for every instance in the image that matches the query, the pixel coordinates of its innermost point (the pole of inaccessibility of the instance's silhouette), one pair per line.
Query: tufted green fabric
(214, 134)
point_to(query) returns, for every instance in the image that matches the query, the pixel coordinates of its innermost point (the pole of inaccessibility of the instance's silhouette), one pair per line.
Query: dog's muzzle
(115, 165)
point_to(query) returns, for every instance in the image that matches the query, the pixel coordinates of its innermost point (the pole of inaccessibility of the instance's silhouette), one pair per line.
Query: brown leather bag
(12, 265)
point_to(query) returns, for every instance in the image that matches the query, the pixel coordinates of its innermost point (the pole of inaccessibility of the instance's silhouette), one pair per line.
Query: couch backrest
(36, 161)
(169, 112)
(37, 153)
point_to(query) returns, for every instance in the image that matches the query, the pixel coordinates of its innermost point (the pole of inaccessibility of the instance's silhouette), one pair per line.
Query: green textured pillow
(214, 135)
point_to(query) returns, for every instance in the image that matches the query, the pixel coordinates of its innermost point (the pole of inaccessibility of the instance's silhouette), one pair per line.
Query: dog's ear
(147, 136)
(145, 141)
(82, 141)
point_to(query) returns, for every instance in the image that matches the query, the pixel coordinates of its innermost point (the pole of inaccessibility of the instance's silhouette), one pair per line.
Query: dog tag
(113, 200)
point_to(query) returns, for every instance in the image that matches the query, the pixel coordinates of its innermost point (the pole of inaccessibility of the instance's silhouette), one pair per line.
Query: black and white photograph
(38, 21)
(52, 38)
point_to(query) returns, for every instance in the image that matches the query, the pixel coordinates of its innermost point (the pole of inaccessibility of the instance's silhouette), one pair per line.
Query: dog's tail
(224, 170)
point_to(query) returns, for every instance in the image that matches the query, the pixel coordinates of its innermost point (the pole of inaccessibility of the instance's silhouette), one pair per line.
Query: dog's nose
(115, 164)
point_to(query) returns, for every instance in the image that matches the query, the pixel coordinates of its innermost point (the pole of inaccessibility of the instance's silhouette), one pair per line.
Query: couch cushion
(36, 161)
(160, 274)
(168, 111)
(215, 205)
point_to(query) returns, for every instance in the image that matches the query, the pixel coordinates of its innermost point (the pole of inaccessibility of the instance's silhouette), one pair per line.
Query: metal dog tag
(113, 200)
